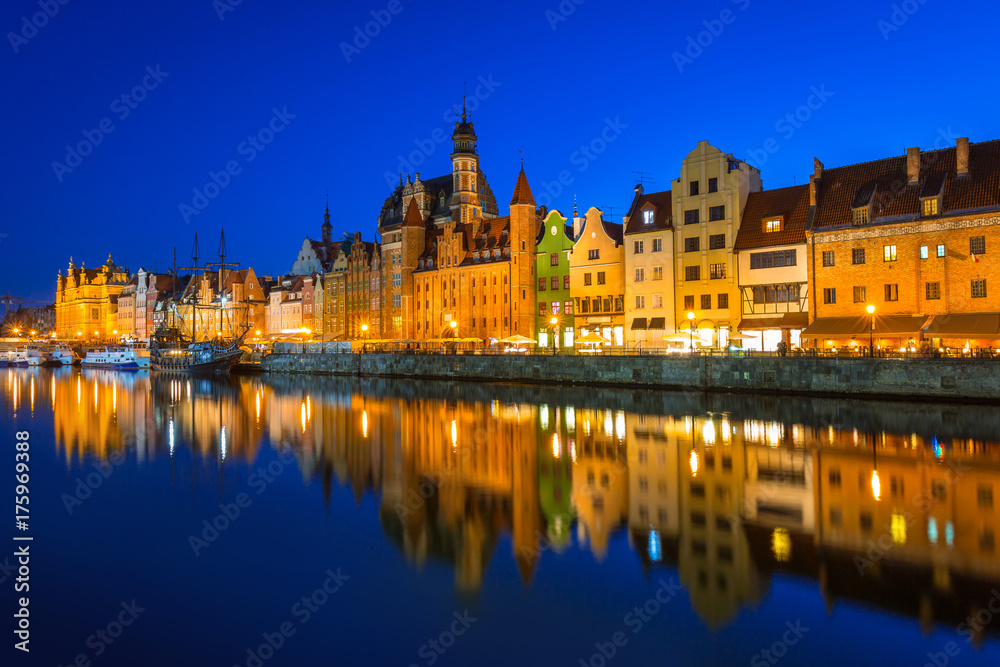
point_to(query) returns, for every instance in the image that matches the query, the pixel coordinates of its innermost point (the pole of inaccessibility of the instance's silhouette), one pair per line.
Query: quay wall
(948, 378)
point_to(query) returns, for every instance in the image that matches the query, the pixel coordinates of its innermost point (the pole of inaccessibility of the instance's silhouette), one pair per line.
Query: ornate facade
(85, 301)
(449, 257)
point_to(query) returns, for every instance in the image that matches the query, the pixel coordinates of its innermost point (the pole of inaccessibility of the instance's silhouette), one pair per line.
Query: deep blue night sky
(553, 90)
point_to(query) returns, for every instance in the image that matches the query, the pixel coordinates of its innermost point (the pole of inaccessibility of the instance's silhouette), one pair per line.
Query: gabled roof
(662, 203)
(522, 192)
(841, 187)
(791, 203)
(613, 230)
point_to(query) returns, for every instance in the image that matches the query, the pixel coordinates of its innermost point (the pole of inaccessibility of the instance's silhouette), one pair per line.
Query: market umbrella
(518, 340)
(592, 339)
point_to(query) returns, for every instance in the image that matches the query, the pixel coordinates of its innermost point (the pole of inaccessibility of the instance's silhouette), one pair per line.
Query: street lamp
(691, 329)
(364, 332)
(555, 331)
(871, 331)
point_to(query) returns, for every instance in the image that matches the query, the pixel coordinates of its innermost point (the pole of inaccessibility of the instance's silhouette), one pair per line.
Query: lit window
(889, 253)
(923, 252)
(647, 217)
(931, 206)
(772, 225)
(940, 251)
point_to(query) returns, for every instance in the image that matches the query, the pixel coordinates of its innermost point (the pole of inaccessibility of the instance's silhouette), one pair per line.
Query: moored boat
(29, 355)
(61, 355)
(200, 357)
(122, 358)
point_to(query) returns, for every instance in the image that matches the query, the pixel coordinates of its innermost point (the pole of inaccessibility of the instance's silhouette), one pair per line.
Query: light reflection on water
(729, 490)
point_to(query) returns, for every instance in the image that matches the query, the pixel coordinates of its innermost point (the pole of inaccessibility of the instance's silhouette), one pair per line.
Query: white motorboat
(61, 355)
(123, 358)
(29, 355)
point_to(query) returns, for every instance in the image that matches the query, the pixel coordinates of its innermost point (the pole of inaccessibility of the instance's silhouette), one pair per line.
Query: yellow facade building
(649, 270)
(86, 300)
(709, 199)
(597, 279)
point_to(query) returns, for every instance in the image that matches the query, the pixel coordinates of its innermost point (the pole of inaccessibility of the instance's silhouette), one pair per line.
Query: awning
(899, 326)
(965, 325)
(785, 321)
(893, 326)
(658, 323)
(639, 324)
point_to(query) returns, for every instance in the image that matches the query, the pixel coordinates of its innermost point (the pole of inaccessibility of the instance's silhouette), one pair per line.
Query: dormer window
(930, 195)
(774, 224)
(647, 217)
(861, 207)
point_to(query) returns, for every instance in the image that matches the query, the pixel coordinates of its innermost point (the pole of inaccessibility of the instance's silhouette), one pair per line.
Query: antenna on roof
(644, 177)
(611, 212)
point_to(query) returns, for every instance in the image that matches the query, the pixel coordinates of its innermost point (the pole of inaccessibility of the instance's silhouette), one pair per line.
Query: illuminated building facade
(84, 309)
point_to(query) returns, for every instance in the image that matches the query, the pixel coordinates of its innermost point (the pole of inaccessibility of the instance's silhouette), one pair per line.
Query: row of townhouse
(894, 251)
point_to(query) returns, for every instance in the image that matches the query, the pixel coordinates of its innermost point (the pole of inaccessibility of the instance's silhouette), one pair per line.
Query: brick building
(914, 237)
(447, 255)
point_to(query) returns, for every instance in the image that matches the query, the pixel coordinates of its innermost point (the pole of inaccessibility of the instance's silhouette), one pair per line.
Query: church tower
(327, 227)
(523, 232)
(465, 203)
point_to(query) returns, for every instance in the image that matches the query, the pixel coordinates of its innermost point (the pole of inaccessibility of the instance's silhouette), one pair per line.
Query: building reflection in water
(726, 489)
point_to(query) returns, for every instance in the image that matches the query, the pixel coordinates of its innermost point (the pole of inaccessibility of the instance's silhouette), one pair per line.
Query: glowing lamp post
(555, 332)
(871, 332)
(364, 332)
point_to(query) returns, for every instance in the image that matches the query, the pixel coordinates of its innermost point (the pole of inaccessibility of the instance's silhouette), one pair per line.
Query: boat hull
(121, 366)
(186, 362)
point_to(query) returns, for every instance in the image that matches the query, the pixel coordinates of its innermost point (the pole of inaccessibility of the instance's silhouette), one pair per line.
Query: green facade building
(552, 292)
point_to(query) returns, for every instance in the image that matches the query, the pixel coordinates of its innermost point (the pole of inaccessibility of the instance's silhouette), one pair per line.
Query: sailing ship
(175, 347)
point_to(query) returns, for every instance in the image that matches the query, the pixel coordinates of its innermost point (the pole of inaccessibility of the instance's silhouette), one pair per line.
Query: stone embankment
(947, 378)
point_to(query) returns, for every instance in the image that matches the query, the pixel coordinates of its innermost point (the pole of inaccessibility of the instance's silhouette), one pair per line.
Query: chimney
(962, 157)
(818, 168)
(812, 190)
(912, 166)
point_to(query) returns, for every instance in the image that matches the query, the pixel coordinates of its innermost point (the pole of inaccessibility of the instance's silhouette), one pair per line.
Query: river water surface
(324, 521)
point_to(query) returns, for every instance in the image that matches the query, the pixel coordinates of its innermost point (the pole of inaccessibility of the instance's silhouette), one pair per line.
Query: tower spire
(575, 214)
(465, 92)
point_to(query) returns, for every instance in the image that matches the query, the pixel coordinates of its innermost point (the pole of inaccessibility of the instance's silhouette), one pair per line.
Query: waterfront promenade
(952, 378)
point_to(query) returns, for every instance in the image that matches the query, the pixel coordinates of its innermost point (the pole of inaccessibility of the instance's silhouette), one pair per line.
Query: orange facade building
(449, 257)
(914, 238)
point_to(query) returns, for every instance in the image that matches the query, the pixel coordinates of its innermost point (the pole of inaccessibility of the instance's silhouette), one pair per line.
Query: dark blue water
(386, 522)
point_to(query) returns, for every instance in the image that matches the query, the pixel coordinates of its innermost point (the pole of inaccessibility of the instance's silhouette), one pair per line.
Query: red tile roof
(791, 203)
(662, 204)
(522, 191)
(895, 201)
(413, 217)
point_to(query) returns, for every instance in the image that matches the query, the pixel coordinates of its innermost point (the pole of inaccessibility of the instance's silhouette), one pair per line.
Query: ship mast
(222, 264)
(195, 254)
